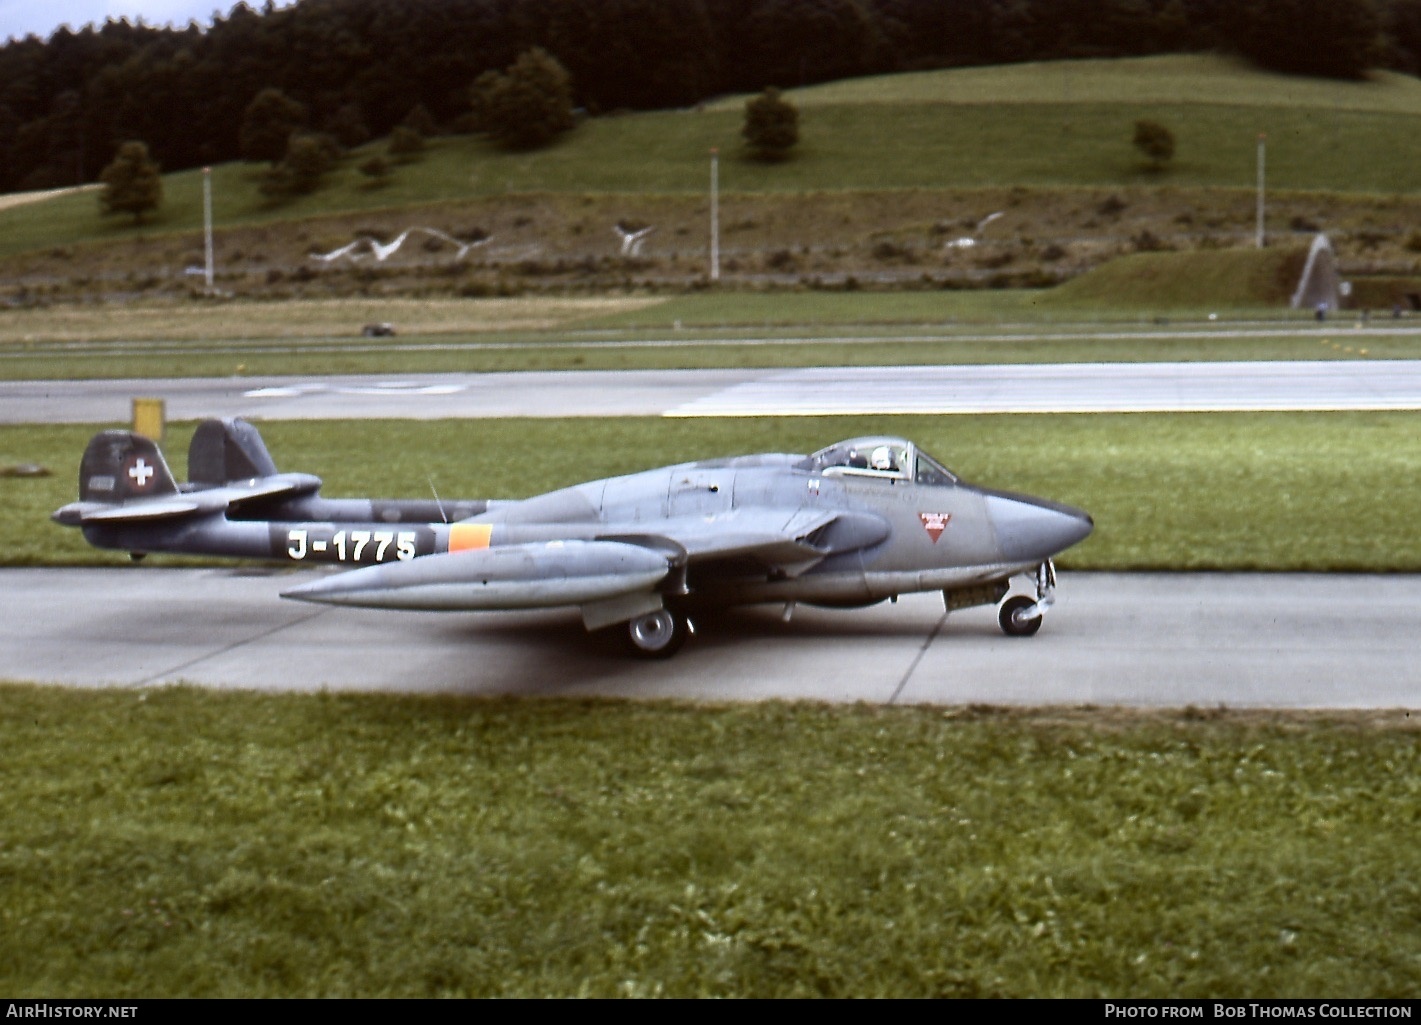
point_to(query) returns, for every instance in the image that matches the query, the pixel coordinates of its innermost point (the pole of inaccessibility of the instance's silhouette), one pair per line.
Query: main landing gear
(658, 634)
(1021, 615)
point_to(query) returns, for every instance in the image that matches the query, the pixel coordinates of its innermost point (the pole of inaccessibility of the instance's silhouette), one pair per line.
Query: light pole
(1262, 148)
(207, 222)
(715, 214)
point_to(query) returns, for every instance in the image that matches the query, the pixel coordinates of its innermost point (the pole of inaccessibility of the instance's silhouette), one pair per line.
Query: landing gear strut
(658, 634)
(1019, 615)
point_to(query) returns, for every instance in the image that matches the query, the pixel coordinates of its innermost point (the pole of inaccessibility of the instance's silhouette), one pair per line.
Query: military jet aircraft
(851, 525)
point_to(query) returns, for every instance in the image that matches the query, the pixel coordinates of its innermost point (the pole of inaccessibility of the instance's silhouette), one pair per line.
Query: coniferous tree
(132, 183)
(1333, 38)
(347, 125)
(771, 125)
(267, 124)
(308, 158)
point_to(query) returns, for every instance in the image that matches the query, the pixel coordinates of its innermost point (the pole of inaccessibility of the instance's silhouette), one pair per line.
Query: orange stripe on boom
(465, 536)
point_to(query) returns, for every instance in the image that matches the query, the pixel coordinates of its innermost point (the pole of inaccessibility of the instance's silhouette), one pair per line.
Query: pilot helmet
(882, 458)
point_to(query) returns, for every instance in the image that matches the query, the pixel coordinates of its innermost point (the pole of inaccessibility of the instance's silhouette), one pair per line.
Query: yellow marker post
(150, 418)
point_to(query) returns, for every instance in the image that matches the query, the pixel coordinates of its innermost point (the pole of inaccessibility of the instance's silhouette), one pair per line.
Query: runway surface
(1026, 388)
(1143, 640)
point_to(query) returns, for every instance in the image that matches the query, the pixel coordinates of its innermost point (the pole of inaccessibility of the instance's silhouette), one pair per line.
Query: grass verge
(1225, 491)
(183, 843)
(1133, 309)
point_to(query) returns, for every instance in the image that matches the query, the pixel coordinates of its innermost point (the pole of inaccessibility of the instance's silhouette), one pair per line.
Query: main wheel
(658, 634)
(1013, 623)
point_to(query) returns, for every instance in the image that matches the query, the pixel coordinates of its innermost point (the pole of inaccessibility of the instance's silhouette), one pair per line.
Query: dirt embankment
(562, 244)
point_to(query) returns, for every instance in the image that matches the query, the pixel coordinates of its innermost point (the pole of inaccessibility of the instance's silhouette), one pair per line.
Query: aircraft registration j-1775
(851, 525)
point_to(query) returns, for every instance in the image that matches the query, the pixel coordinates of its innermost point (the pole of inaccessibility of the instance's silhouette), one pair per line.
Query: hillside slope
(892, 173)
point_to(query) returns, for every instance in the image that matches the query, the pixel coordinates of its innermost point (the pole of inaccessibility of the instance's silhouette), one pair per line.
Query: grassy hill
(1049, 137)
(1062, 123)
(1203, 279)
(1194, 79)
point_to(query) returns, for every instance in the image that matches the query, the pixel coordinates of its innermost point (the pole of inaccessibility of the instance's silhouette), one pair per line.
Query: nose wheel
(1017, 618)
(1020, 615)
(658, 634)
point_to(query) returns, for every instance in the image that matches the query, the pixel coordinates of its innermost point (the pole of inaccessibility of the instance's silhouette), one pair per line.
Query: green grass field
(1151, 306)
(1267, 491)
(178, 843)
(1170, 79)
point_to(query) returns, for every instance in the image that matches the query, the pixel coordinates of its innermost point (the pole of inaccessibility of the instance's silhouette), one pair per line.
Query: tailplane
(120, 465)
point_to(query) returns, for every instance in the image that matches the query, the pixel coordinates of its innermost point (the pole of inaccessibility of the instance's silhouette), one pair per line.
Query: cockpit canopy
(881, 457)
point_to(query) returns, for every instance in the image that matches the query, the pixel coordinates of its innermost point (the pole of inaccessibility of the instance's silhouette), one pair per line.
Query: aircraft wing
(790, 539)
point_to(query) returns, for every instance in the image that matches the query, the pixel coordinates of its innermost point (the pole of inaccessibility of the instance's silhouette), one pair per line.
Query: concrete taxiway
(1144, 640)
(804, 391)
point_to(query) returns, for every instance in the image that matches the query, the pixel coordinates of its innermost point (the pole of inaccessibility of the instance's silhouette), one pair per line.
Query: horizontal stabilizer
(286, 485)
(156, 509)
(211, 500)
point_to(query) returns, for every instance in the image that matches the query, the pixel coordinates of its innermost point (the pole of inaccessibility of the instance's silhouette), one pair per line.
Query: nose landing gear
(1019, 615)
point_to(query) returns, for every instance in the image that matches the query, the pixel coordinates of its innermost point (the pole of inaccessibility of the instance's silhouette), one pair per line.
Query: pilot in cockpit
(882, 459)
(857, 460)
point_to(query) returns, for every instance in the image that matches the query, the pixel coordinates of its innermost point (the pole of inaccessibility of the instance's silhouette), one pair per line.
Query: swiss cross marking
(935, 523)
(140, 472)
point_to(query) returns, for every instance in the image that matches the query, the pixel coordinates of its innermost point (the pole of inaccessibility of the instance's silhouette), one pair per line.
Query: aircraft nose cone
(1030, 529)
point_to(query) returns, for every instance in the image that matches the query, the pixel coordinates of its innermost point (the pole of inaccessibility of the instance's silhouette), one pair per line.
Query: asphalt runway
(1026, 388)
(1143, 640)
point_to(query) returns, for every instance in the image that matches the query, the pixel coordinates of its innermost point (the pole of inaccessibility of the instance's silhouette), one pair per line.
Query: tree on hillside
(267, 124)
(376, 170)
(526, 106)
(132, 183)
(771, 125)
(1403, 35)
(347, 126)
(406, 144)
(420, 120)
(1156, 142)
(308, 157)
(803, 41)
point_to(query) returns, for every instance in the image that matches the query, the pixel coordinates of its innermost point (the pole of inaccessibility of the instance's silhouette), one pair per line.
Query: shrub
(526, 106)
(771, 127)
(1156, 142)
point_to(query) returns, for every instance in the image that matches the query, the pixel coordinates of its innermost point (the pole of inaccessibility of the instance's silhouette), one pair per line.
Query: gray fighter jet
(849, 526)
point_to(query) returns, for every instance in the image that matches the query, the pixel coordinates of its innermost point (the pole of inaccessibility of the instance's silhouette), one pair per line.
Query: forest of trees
(358, 67)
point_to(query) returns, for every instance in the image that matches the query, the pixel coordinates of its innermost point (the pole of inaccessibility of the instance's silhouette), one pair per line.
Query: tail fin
(119, 465)
(227, 450)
